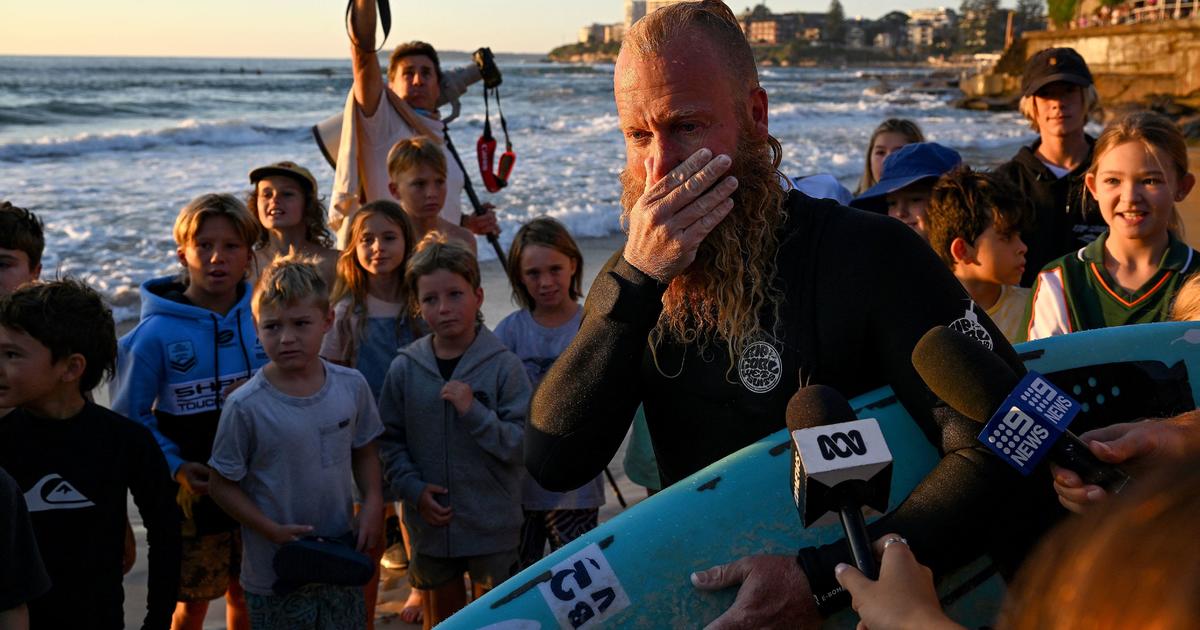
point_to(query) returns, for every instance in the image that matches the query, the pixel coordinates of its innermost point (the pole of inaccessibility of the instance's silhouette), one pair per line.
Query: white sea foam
(109, 188)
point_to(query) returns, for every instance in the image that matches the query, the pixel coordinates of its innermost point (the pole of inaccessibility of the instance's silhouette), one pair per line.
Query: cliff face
(1132, 63)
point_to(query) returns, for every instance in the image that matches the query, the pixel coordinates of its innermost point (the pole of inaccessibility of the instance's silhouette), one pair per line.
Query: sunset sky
(314, 28)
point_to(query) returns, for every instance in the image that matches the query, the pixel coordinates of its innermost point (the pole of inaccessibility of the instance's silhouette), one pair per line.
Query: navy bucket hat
(905, 167)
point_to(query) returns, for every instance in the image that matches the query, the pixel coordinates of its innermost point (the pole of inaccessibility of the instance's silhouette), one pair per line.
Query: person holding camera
(379, 114)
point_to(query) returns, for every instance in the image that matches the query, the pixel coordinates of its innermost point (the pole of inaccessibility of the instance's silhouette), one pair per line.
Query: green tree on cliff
(1061, 12)
(835, 23)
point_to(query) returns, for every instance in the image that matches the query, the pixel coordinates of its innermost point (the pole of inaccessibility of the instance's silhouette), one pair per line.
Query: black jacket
(1064, 216)
(859, 291)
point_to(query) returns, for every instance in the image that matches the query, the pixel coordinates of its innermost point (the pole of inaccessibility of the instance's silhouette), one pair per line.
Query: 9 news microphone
(1026, 417)
(839, 465)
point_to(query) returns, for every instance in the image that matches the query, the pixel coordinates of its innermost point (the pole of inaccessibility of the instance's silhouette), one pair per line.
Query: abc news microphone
(839, 465)
(1025, 417)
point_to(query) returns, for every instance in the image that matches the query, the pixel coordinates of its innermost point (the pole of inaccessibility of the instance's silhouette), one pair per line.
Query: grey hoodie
(477, 456)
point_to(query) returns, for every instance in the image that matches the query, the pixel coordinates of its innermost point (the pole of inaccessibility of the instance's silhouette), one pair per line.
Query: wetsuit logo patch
(54, 493)
(760, 367)
(969, 325)
(181, 356)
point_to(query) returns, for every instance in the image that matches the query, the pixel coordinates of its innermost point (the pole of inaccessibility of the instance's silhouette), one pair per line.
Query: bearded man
(732, 292)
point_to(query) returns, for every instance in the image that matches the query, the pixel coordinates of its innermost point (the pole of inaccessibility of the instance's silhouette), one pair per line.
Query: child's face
(448, 303)
(546, 274)
(15, 270)
(216, 258)
(1136, 190)
(280, 202)
(1059, 109)
(421, 191)
(380, 246)
(908, 204)
(291, 334)
(27, 371)
(886, 144)
(1000, 257)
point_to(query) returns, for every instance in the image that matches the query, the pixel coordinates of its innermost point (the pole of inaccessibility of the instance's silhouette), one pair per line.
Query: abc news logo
(841, 445)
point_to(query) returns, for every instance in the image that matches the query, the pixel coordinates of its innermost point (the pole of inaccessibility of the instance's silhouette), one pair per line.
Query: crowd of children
(283, 392)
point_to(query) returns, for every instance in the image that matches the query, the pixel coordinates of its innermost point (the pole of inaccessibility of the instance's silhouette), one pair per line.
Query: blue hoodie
(172, 367)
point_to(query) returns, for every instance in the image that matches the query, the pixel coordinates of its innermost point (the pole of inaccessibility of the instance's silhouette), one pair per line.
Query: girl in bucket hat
(908, 178)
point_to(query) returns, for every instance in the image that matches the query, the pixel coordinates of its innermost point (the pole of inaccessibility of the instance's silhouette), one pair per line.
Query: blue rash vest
(172, 368)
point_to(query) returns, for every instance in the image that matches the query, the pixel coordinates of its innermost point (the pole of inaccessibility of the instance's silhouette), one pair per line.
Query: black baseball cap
(1054, 64)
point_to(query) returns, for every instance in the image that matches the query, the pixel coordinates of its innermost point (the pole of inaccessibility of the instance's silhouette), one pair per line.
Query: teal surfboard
(633, 570)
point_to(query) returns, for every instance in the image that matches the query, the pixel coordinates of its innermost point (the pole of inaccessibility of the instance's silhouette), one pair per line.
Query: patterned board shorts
(210, 563)
(315, 607)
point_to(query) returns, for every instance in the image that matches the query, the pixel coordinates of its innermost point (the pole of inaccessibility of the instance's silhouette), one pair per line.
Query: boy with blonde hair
(417, 179)
(975, 222)
(290, 442)
(196, 339)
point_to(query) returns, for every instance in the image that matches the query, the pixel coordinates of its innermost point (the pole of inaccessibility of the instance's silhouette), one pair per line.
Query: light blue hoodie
(172, 367)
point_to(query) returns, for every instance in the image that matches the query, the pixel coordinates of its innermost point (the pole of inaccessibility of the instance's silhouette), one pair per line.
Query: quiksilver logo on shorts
(760, 367)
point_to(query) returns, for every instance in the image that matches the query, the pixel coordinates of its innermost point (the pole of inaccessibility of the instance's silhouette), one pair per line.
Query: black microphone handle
(1070, 452)
(859, 541)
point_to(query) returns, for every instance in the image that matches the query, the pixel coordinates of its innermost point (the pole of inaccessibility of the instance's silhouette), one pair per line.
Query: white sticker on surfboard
(583, 591)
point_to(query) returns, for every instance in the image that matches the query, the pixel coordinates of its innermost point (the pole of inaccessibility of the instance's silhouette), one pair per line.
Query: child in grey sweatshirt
(454, 405)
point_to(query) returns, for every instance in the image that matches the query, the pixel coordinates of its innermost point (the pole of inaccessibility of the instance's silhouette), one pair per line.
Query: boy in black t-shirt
(75, 461)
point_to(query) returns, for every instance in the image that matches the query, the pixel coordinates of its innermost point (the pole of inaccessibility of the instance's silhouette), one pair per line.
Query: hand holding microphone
(839, 465)
(1026, 418)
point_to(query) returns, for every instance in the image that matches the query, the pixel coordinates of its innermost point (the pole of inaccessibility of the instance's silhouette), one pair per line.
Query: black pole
(613, 482)
(472, 196)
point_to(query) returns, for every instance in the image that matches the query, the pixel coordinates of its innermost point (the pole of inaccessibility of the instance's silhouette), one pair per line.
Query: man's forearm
(583, 408)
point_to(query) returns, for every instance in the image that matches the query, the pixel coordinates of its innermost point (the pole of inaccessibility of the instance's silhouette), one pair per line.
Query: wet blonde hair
(907, 128)
(288, 280)
(1091, 100)
(436, 252)
(192, 217)
(1153, 131)
(411, 153)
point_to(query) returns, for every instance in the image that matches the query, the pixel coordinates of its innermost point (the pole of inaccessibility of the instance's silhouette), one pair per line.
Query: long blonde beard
(722, 294)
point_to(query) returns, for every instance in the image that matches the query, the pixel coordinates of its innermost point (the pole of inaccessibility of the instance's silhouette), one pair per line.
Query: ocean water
(106, 150)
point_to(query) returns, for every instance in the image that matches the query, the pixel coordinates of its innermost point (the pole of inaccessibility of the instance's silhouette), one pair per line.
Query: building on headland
(928, 28)
(634, 11)
(592, 34)
(761, 26)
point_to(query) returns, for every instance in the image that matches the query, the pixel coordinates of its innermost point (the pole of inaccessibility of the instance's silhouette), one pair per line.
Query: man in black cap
(1057, 94)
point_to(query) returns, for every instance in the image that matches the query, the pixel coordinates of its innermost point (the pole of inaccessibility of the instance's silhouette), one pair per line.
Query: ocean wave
(59, 111)
(187, 133)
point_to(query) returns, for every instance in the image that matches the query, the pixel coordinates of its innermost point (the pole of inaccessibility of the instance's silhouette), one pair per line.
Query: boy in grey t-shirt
(289, 441)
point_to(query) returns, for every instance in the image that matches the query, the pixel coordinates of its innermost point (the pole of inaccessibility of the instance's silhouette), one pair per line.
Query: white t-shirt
(1059, 172)
(380, 133)
(292, 457)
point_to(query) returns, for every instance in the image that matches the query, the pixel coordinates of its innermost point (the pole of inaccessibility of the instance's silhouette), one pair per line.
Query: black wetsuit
(76, 475)
(859, 291)
(1064, 216)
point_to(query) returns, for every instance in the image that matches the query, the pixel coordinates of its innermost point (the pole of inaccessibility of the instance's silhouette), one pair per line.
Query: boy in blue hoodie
(196, 339)
(454, 405)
